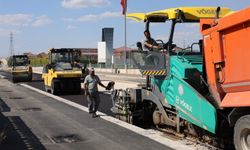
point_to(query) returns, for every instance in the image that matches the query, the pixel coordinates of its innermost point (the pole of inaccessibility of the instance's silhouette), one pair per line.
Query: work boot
(94, 115)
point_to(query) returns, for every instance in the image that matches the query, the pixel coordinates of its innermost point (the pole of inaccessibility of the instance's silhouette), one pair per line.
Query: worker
(63, 58)
(91, 91)
(77, 63)
(150, 43)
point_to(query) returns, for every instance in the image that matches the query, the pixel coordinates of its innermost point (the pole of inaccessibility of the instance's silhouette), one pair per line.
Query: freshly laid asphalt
(38, 122)
(37, 82)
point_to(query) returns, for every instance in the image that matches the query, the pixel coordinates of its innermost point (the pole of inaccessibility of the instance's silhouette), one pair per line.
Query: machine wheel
(30, 77)
(14, 79)
(54, 88)
(46, 89)
(242, 133)
(78, 89)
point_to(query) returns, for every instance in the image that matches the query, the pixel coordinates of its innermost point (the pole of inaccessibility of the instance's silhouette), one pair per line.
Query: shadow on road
(14, 133)
(3, 106)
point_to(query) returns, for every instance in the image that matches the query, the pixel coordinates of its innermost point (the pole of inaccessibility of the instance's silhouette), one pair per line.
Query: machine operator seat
(139, 46)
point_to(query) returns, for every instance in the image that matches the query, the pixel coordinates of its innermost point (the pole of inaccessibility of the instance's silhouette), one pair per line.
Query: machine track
(188, 139)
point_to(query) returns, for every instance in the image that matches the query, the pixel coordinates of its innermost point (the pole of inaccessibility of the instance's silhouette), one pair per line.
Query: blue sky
(41, 24)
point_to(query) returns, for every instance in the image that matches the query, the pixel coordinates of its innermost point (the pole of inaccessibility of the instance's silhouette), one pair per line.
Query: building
(88, 55)
(105, 48)
(120, 50)
(119, 56)
(29, 54)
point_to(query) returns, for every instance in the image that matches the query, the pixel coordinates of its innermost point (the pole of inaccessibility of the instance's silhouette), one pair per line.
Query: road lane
(40, 122)
(105, 106)
(37, 82)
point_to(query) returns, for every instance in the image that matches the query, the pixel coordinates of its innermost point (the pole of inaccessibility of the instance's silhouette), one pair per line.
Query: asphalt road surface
(34, 121)
(37, 82)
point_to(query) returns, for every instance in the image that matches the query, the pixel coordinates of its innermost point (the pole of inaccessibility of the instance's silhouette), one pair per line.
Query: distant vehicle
(64, 72)
(20, 68)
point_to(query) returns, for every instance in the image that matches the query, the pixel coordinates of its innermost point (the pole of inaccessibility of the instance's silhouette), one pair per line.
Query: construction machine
(202, 89)
(20, 68)
(63, 73)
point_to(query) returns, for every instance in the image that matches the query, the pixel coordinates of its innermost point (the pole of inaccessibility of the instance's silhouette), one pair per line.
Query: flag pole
(124, 12)
(125, 36)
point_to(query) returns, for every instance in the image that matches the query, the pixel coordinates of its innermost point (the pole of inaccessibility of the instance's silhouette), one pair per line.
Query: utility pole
(11, 48)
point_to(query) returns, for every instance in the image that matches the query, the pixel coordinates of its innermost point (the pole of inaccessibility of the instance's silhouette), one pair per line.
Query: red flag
(124, 6)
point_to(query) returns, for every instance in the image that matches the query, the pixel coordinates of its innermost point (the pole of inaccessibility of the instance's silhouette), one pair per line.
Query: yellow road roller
(20, 68)
(63, 73)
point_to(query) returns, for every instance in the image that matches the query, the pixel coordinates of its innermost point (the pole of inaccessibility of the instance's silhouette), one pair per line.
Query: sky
(38, 25)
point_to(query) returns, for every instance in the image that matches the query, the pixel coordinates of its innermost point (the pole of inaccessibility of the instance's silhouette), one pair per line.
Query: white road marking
(2, 77)
(152, 134)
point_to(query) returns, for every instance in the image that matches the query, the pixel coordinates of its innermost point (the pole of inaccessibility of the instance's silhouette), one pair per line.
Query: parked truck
(202, 89)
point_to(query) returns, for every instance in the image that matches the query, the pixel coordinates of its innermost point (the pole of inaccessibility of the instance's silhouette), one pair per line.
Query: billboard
(102, 48)
(107, 36)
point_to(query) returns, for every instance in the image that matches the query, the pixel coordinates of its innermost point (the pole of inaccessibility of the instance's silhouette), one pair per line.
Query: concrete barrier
(119, 71)
(38, 70)
(103, 70)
